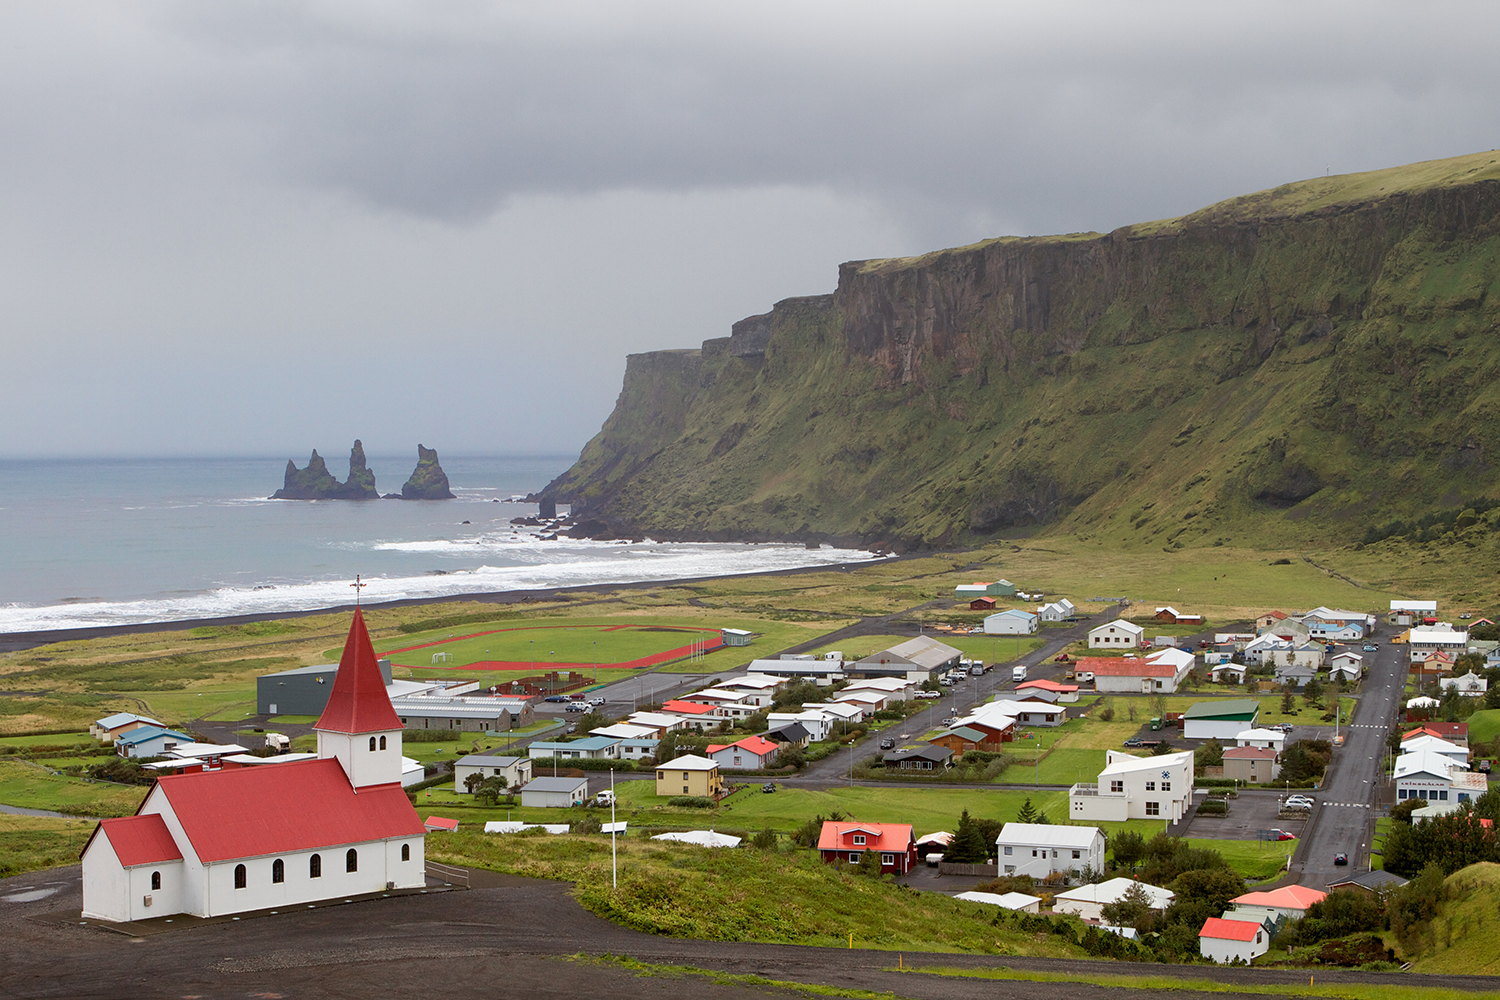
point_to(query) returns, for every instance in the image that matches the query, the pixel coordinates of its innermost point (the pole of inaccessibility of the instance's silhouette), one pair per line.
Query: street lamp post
(1038, 781)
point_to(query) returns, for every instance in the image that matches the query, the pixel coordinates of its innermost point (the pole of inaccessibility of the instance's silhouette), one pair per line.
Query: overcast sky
(252, 229)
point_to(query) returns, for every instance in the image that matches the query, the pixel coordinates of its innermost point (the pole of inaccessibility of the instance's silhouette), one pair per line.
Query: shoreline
(12, 642)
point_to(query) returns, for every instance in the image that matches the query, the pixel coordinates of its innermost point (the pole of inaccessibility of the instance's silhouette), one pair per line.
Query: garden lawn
(33, 787)
(1484, 725)
(50, 740)
(1270, 709)
(785, 896)
(31, 843)
(1254, 859)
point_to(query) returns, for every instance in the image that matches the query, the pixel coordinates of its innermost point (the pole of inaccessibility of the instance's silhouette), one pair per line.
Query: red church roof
(358, 702)
(256, 811)
(138, 840)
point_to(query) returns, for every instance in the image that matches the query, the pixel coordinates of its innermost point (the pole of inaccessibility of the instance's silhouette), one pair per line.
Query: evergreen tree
(968, 845)
(1027, 813)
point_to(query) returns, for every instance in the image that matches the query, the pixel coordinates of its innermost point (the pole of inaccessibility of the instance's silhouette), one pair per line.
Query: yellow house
(689, 775)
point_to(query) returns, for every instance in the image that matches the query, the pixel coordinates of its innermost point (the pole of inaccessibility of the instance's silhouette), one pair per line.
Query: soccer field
(539, 648)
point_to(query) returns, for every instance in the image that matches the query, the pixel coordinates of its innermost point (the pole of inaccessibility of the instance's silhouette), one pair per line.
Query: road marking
(1350, 805)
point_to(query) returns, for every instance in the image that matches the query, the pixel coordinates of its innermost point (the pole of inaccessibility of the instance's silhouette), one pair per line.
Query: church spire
(358, 702)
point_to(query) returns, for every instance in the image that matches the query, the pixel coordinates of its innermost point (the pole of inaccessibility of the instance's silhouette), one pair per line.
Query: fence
(987, 869)
(448, 873)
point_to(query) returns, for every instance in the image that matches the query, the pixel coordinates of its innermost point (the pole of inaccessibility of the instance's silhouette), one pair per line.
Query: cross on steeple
(358, 586)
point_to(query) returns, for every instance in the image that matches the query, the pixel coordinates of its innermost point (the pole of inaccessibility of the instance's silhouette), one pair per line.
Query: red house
(847, 842)
(982, 604)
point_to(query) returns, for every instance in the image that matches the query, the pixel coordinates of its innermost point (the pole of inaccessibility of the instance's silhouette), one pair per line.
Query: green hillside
(1311, 363)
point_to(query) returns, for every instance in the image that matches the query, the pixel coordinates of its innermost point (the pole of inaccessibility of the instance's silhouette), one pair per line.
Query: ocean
(98, 542)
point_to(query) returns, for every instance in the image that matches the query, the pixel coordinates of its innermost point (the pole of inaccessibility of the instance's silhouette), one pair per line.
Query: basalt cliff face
(428, 481)
(1274, 367)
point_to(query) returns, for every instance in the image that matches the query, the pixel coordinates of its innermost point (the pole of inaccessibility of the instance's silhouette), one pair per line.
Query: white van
(1018, 672)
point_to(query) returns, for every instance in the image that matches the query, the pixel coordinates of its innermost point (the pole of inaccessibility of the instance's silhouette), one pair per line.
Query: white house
(149, 741)
(1135, 788)
(1267, 739)
(818, 724)
(1129, 674)
(1437, 745)
(1011, 622)
(1039, 849)
(1018, 901)
(1118, 634)
(1089, 901)
(660, 722)
(1025, 712)
(515, 770)
(1441, 638)
(1470, 685)
(555, 793)
(1225, 941)
(1057, 611)
(1222, 719)
(1404, 612)
(1290, 902)
(751, 753)
(1348, 665)
(210, 843)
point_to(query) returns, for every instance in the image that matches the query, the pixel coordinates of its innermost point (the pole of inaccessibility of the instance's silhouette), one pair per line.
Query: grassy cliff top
(1296, 198)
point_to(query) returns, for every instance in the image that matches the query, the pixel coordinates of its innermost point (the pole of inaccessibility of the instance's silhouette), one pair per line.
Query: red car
(1284, 835)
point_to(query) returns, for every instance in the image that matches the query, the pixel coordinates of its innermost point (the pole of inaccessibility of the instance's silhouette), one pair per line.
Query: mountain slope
(1279, 365)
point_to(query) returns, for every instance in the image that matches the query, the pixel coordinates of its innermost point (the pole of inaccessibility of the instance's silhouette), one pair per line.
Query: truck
(1018, 672)
(278, 742)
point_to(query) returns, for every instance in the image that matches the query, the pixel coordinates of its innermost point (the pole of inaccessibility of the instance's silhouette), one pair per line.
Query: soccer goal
(442, 657)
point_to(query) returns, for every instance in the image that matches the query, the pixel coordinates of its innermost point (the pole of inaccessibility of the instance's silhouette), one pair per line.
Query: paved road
(1344, 818)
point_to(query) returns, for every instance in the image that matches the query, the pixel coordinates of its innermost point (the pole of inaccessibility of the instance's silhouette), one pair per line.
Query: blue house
(149, 741)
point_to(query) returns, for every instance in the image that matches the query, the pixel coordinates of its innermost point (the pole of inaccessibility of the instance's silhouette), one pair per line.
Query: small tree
(1210, 754)
(1027, 813)
(667, 749)
(1288, 699)
(488, 791)
(1130, 910)
(1129, 847)
(1312, 692)
(869, 864)
(967, 845)
(473, 781)
(765, 840)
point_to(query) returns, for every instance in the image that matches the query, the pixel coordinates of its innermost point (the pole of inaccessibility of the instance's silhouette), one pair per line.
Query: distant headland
(428, 481)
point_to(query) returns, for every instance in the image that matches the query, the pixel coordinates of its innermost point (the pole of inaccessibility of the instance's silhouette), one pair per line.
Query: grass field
(787, 897)
(31, 843)
(1484, 725)
(32, 787)
(1462, 940)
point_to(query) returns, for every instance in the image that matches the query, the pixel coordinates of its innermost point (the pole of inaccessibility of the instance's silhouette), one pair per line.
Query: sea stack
(316, 483)
(428, 480)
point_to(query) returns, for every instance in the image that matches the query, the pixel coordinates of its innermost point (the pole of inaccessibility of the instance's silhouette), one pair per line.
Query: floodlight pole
(614, 830)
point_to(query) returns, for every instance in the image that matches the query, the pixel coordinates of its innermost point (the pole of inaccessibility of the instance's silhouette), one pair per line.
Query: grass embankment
(781, 897)
(32, 786)
(1461, 937)
(31, 843)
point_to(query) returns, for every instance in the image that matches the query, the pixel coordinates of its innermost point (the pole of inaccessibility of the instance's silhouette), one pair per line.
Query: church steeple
(358, 726)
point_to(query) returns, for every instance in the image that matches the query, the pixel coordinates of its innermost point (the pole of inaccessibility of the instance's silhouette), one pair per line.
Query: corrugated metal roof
(357, 702)
(138, 840)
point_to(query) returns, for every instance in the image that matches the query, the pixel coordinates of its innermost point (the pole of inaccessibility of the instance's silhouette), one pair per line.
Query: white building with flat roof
(1129, 787)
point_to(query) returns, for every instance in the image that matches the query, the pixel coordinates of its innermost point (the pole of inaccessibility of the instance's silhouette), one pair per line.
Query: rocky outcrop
(428, 480)
(1282, 357)
(316, 483)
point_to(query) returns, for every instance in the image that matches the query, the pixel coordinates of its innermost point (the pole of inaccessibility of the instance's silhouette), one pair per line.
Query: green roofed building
(1221, 720)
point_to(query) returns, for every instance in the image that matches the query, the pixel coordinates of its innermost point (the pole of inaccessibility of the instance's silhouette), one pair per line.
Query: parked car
(1062, 658)
(1285, 727)
(576, 706)
(1285, 835)
(1370, 647)
(887, 744)
(934, 858)
(556, 697)
(929, 694)
(768, 787)
(596, 702)
(1298, 802)
(1484, 766)
(1134, 741)
(1341, 859)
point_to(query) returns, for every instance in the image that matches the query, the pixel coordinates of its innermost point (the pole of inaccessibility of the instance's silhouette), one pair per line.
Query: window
(1443, 795)
(156, 880)
(1009, 869)
(1166, 786)
(372, 743)
(278, 870)
(315, 866)
(684, 776)
(351, 861)
(1153, 808)
(405, 852)
(1009, 851)
(1077, 855)
(1117, 786)
(1150, 786)
(661, 775)
(854, 857)
(859, 839)
(684, 789)
(382, 742)
(887, 859)
(239, 876)
(1400, 793)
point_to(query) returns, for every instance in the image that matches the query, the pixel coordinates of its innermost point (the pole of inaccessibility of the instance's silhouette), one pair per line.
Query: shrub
(691, 802)
(765, 840)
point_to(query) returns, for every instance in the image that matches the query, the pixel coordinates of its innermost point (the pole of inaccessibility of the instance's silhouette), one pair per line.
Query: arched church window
(315, 866)
(239, 876)
(278, 870)
(351, 861)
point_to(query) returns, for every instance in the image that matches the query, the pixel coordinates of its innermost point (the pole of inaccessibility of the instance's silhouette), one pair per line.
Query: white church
(210, 843)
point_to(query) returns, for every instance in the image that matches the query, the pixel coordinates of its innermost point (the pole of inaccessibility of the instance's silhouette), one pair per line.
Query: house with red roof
(1224, 941)
(1064, 692)
(846, 843)
(749, 754)
(1129, 674)
(695, 714)
(210, 843)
